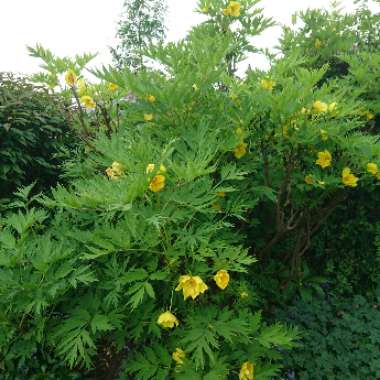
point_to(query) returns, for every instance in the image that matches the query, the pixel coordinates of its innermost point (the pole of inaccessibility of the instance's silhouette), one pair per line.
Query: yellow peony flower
(247, 371)
(333, 107)
(318, 43)
(267, 84)
(233, 9)
(167, 320)
(115, 171)
(222, 278)
(157, 183)
(113, 87)
(88, 102)
(348, 178)
(320, 107)
(151, 98)
(82, 87)
(240, 150)
(372, 168)
(179, 356)
(309, 179)
(70, 78)
(324, 134)
(148, 117)
(192, 286)
(324, 159)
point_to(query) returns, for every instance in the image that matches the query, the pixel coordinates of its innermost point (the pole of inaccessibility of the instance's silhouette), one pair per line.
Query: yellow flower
(309, 179)
(320, 107)
(333, 106)
(247, 371)
(150, 168)
(318, 43)
(151, 98)
(113, 87)
(244, 295)
(324, 159)
(233, 9)
(179, 356)
(82, 87)
(240, 150)
(348, 178)
(222, 278)
(370, 115)
(88, 102)
(167, 320)
(148, 117)
(372, 168)
(70, 78)
(324, 134)
(267, 84)
(221, 194)
(115, 171)
(192, 286)
(157, 183)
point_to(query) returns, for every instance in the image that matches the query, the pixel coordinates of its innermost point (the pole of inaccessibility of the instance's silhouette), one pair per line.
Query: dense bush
(143, 265)
(340, 339)
(33, 134)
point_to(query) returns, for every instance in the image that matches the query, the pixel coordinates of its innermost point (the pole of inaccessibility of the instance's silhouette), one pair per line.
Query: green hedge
(33, 134)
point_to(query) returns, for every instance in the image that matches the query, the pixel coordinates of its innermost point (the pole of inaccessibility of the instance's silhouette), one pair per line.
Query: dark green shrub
(345, 250)
(341, 340)
(33, 132)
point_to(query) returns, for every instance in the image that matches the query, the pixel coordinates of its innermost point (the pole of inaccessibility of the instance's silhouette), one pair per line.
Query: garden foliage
(143, 265)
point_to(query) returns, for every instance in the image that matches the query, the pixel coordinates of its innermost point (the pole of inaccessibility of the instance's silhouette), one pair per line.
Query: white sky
(77, 26)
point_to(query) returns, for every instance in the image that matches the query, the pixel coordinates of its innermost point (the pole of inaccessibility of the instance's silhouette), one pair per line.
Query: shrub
(190, 173)
(33, 134)
(340, 339)
(134, 270)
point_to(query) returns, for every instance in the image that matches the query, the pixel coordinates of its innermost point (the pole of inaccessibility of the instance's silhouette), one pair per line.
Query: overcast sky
(77, 26)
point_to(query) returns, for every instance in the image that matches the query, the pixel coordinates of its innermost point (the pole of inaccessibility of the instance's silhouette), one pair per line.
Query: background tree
(141, 23)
